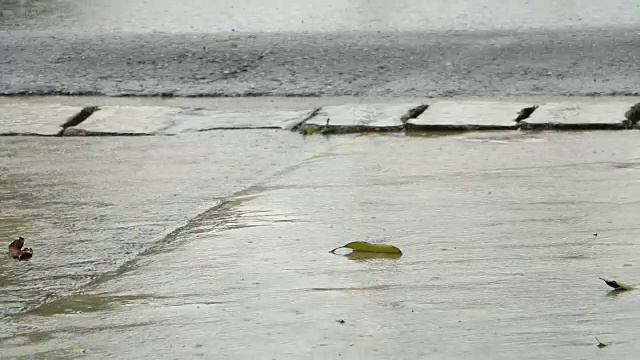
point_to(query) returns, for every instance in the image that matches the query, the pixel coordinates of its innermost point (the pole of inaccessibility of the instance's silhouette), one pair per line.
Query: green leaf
(617, 284)
(368, 247)
(363, 256)
(307, 131)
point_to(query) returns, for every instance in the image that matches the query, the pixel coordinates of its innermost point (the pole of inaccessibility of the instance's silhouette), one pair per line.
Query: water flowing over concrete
(181, 183)
(504, 236)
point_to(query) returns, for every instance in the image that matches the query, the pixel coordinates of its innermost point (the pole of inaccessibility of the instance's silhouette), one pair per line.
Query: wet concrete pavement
(215, 244)
(60, 116)
(498, 231)
(87, 206)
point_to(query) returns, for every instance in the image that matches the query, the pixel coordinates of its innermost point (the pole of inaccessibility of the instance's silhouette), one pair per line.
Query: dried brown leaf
(17, 252)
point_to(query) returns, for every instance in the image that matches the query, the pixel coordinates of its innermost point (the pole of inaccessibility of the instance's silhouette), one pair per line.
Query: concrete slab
(362, 117)
(583, 115)
(34, 119)
(130, 120)
(198, 119)
(468, 115)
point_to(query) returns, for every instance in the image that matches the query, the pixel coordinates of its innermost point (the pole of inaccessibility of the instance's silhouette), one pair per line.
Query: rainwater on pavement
(504, 236)
(216, 244)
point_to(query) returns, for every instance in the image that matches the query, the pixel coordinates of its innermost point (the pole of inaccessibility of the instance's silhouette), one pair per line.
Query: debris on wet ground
(617, 285)
(633, 114)
(363, 246)
(601, 344)
(307, 131)
(310, 130)
(18, 251)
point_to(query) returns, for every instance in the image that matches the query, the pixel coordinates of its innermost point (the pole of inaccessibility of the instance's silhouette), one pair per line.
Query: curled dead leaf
(17, 251)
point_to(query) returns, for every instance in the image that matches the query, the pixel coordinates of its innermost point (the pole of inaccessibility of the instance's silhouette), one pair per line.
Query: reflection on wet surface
(89, 206)
(333, 48)
(500, 259)
(206, 16)
(81, 303)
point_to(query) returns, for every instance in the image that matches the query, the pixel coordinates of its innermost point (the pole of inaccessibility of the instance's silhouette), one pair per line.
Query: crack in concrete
(240, 128)
(425, 128)
(352, 129)
(573, 127)
(81, 132)
(311, 115)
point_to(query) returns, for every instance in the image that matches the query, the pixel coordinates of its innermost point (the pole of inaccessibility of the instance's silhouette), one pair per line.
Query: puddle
(76, 304)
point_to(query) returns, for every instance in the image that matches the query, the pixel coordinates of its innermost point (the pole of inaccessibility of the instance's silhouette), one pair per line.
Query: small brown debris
(17, 252)
(633, 114)
(601, 344)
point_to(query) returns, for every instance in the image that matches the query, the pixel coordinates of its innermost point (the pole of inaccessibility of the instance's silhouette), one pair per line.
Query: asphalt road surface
(291, 48)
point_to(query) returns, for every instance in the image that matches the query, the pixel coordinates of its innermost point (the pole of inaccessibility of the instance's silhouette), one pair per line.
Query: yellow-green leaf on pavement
(369, 247)
(363, 256)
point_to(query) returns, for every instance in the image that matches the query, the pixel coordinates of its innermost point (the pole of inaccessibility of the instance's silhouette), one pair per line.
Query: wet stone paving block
(198, 119)
(585, 115)
(34, 119)
(468, 115)
(130, 120)
(362, 116)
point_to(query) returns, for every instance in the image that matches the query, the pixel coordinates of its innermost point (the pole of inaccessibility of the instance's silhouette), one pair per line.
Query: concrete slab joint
(414, 113)
(23, 118)
(313, 113)
(525, 113)
(359, 118)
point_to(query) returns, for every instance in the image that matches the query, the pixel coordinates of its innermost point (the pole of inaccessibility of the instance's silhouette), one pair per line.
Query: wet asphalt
(289, 48)
(590, 62)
